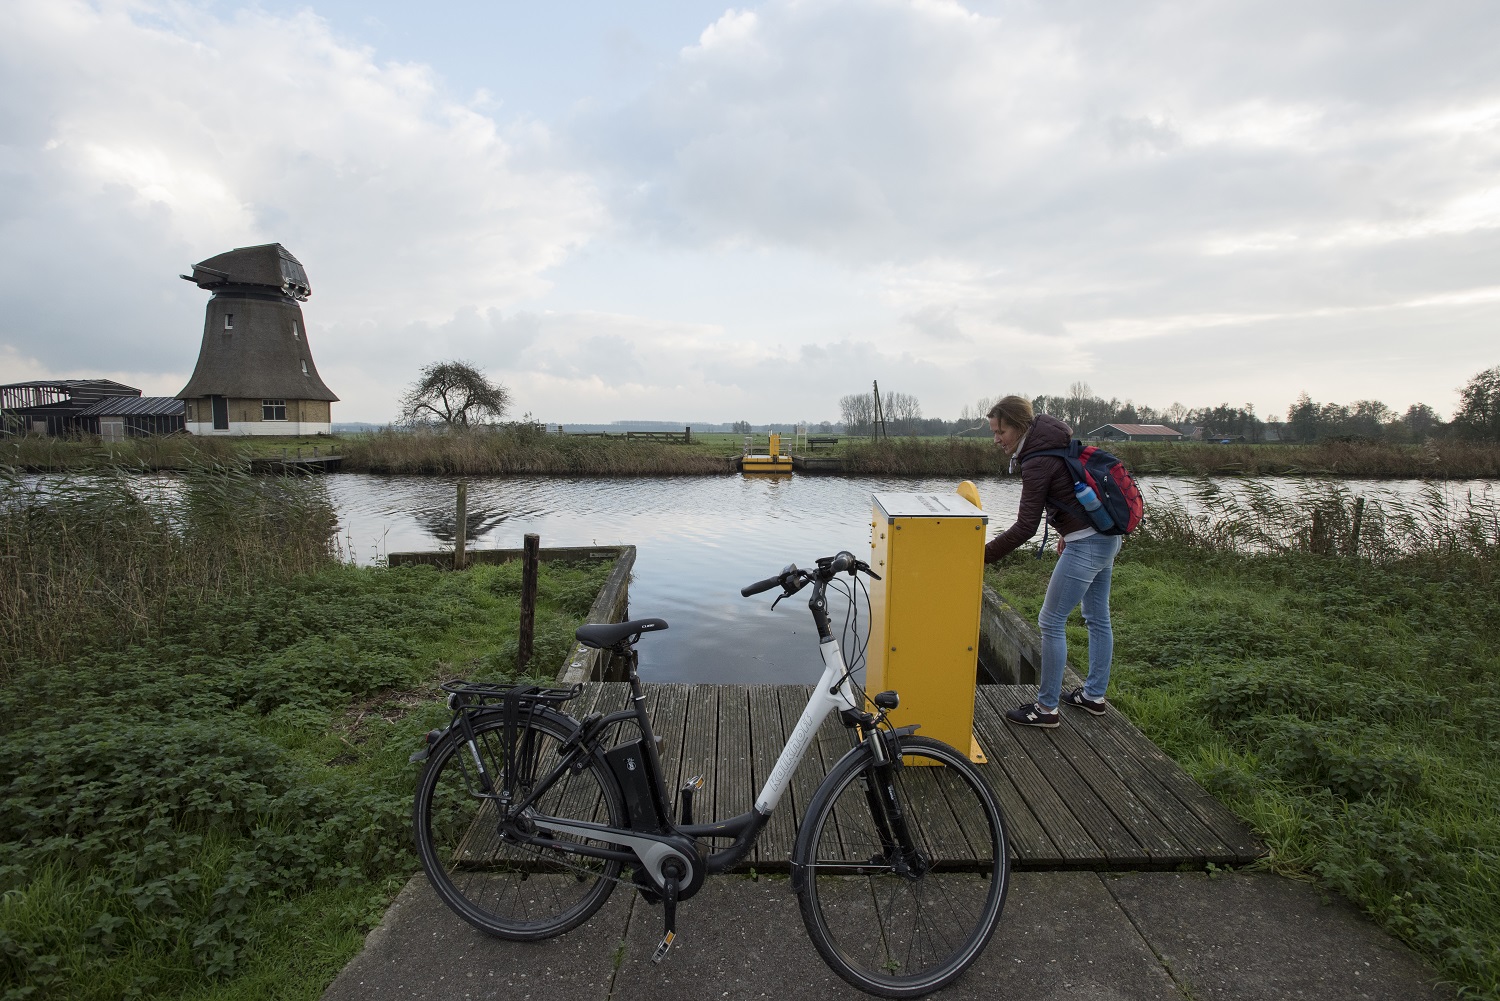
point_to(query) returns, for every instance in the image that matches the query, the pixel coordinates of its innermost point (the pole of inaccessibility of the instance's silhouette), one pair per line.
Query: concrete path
(1074, 935)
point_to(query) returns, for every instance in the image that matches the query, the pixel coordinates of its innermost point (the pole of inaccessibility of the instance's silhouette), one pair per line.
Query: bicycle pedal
(662, 947)
(695, 784)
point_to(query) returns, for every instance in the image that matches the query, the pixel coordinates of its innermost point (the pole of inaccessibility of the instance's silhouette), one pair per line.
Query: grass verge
(1347, 708)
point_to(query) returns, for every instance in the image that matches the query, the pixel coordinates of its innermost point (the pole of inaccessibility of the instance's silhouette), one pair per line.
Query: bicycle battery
(633, 772)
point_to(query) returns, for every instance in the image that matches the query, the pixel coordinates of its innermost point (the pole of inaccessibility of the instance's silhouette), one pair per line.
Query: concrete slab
(422, 950)
(1075, 935)
(1062, 935)
(1254, 935)
(738, 938)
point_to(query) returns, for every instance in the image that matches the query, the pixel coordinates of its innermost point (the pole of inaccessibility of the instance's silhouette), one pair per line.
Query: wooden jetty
(1093, 793)
(297, 464)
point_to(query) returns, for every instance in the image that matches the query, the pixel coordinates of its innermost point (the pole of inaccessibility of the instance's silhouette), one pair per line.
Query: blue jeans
(1081, 575)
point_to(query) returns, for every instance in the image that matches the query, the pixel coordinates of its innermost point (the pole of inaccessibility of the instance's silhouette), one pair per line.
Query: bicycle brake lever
(783, 594)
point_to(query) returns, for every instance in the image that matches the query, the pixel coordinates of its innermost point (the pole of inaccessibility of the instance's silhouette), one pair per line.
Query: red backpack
(1119, 498)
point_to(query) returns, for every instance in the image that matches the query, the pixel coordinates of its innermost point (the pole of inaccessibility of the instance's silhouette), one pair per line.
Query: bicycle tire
(509, 890)
(895, 935)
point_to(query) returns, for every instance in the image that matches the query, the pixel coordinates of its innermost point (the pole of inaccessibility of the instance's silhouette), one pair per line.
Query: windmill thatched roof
(269, 265)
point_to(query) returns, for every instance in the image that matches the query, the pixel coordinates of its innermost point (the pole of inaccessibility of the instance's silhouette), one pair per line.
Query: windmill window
(304, 368)
(228, 321)
(273, 410)
(294, 330)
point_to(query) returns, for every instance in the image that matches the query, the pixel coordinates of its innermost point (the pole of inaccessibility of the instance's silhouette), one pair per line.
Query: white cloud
(1238, 199)
(144, 137)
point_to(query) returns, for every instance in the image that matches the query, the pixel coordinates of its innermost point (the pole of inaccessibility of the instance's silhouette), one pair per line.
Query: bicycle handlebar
(791, 579)
(761, 585)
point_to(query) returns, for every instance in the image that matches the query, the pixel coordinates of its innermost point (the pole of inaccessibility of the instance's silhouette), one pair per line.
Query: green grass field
(1347, 708)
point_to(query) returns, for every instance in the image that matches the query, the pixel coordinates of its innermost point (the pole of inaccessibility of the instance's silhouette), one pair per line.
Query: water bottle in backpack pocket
(1091, 506)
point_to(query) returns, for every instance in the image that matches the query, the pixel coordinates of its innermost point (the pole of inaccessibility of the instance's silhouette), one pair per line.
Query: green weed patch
(221, 809)
(1346, 708)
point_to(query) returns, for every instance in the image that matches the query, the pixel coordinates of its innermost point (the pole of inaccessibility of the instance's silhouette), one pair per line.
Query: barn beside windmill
(255, 372)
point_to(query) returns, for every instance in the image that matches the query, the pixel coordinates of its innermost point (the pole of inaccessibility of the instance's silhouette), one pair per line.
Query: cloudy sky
(673, 210)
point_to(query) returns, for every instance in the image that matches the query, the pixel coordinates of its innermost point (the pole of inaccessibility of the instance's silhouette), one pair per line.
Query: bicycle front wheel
(902, 879)
(502, 887)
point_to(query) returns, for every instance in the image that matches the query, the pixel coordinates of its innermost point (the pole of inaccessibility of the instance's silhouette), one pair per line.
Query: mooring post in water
(1359, 516)
(460, 534)
(530, 552)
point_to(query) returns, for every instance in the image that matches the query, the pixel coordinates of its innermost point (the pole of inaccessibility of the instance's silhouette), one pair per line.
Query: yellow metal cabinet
(924, 611)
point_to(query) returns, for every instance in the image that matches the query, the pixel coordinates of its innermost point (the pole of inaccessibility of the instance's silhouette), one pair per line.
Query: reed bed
(521, 450)
(1434, 459)
(41, 454)
(94, 560)
(922, 457)
(1340, 693)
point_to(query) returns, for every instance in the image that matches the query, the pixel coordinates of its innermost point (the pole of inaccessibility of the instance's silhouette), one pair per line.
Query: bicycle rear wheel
(512, 890)
(893, 922)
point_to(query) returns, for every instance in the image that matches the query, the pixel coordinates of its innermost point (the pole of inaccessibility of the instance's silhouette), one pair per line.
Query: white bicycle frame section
(833, 691)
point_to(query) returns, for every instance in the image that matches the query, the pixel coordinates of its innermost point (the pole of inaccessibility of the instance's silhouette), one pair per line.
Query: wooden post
(461, 532)
(687, 436)
(1318, 540)
(529, 555)
(1359, 516)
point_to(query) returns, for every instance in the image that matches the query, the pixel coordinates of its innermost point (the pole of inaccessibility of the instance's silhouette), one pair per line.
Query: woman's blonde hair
(1013, 410)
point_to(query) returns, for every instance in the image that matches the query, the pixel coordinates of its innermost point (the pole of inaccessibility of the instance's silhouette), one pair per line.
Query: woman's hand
(1060, 546)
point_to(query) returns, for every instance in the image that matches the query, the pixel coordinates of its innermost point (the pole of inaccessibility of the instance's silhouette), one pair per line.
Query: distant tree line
(1477, 417)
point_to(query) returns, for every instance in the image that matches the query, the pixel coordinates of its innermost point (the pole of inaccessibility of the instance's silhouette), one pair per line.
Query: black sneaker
(1082, 701)
(1033, 715)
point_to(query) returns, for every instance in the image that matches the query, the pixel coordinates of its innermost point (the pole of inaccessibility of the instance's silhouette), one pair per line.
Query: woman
(1085, 559)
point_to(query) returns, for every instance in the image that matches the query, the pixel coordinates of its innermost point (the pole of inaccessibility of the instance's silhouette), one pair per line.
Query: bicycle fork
(898, 848)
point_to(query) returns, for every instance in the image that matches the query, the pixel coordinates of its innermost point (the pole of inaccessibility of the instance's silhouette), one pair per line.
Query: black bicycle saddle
(607, 634)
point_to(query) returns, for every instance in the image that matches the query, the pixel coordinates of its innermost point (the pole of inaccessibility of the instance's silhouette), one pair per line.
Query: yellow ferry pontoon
(774, 461)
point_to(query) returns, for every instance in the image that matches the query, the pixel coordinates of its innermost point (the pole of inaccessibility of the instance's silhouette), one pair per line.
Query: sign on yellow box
(925, 609)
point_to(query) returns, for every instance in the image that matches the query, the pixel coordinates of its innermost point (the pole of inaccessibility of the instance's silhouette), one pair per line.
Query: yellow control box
(925, 609)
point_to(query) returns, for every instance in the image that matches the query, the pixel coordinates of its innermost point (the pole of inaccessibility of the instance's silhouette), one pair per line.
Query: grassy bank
(524, 451)
(1348, 708)
(217, 806)
(1436, 459)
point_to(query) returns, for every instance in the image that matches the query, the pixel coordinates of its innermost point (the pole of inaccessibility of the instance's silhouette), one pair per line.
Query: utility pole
(877, 427)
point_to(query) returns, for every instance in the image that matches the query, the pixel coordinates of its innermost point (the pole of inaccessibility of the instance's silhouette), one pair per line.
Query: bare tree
(856, 411)
(453, 394)
(901, 410)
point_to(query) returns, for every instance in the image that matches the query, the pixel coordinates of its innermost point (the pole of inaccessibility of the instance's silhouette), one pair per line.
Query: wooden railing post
(461, 532)
(529, 555)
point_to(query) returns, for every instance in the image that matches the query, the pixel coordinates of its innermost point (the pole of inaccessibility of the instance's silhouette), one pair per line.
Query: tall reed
(1329, 516)
(43, 454)
(97, 559)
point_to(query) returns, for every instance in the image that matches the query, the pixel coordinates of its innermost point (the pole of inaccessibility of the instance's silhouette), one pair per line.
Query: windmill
(255, 372)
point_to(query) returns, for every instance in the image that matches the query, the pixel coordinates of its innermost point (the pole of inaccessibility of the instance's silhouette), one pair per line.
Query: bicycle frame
(833, 691)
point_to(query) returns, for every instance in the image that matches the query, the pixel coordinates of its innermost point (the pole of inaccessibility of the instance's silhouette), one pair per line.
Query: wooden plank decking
(1092, 793)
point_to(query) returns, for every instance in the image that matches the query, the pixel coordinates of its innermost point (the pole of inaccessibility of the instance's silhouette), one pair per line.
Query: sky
(675, 210)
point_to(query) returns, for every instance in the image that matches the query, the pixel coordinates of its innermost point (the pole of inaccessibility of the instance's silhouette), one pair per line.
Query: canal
(698, 540)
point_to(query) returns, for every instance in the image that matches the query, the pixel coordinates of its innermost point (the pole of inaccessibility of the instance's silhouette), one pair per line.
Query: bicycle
(525, 820)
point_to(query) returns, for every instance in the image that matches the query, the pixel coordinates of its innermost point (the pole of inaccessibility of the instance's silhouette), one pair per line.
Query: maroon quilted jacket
(1045, 486)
